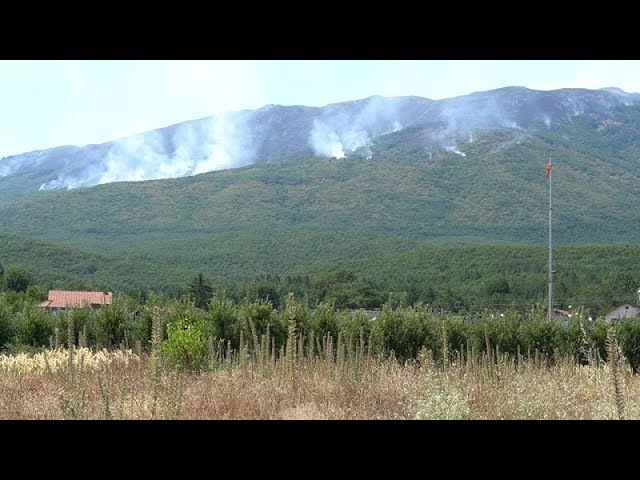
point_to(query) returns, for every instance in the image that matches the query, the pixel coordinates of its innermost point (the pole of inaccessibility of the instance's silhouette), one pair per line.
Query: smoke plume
(454, 149)
(339, 133)
(214, 143)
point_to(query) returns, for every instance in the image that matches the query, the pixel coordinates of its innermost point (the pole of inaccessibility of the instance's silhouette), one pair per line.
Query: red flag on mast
(547, 171)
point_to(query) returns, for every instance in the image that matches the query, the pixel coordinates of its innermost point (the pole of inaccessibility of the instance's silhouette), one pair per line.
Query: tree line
(196, 326)
(465, 279)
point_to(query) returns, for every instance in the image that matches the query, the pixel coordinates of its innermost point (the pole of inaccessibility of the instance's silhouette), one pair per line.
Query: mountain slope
(60, 266)
(496, 192)
(492, 188)
(435, 181)
(277, 132)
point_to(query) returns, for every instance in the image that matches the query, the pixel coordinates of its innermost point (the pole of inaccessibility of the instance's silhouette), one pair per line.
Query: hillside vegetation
(460, 225)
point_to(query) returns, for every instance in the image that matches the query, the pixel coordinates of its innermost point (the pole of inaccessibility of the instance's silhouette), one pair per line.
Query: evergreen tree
(200, 291)
(18, 279)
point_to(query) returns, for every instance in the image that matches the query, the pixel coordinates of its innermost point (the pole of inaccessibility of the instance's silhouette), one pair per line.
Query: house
(623, 311)
(564, 315)
(63, 300)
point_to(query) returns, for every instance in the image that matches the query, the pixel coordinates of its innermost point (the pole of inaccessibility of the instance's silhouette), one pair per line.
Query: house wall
(622, 311)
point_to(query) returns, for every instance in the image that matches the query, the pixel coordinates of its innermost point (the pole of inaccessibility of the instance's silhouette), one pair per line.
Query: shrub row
(401, 331)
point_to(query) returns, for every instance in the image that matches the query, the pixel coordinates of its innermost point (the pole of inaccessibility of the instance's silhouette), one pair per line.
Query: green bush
(391, 332)
(628, 335)
(138, 327)
(186, 346)
(6, 323)
(324, 320)
(18, 279)
(355, 325)
(222, 320)
(295, 313)
(111, 323)
(33, 327)
(542, 335)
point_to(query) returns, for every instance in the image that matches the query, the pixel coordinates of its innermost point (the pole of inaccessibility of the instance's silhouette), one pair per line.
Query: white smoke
(325, 141)
(214, 143)
(573, 104)
(230, 145)
(355, 139)
(8, 167)
(454, 149)
(339, 134)
(66, 183)
(462, 116)
(14, 164)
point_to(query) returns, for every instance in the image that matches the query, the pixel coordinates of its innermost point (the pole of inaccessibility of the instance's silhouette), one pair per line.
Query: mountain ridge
(275, 132)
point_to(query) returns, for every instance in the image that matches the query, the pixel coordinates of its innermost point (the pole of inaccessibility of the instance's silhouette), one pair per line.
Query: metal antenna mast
(548, 175)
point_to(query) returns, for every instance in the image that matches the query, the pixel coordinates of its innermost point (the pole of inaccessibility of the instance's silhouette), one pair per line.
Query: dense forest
(457, 279)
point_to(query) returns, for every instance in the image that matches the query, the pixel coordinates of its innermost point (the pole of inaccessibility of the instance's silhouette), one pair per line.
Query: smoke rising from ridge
(464, 115)
(278, 132)
(454, 149)
(214, 143)
(16, 164)
(338, 133)
(446, 123)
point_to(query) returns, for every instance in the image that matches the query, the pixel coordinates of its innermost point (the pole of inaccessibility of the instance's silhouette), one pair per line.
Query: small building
(370, 314)
(560, 314)
(63, 300)
(623, 311)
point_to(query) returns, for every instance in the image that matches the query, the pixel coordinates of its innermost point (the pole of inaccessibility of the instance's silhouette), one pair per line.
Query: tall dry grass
(341, 382)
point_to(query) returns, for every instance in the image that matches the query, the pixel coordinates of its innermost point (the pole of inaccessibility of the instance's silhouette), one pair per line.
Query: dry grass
(57, 360)
(120, 386)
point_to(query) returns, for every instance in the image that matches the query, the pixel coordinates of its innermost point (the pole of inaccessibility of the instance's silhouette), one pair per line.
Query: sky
(49, 103)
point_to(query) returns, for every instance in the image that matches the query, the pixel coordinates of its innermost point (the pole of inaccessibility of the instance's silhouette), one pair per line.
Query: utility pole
(547, 175)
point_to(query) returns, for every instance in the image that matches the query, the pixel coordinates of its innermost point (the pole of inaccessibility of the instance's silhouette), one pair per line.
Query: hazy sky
(50, 103)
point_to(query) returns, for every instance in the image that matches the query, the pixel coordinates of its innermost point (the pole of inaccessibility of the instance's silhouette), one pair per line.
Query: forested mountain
(342, 186)
(277, 132)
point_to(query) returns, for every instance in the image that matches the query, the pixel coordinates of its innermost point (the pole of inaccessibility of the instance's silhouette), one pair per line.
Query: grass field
(263, 384)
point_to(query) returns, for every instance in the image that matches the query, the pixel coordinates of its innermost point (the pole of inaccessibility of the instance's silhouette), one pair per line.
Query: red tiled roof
(64, 299)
